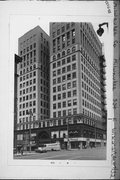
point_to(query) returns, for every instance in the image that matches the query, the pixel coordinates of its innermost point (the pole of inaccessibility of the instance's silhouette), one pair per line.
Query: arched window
(63, 53)
(73, 49)
(30, 68)
(68, 51)
(54, 57)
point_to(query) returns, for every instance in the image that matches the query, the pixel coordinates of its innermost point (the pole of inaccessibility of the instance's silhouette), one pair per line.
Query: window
(34, 88)
(59, 113)
(68, 85)
(53, 34)
(63, 78)
(73, 57)
(63, 28)
(34, 73)
(73, 49)
(74, 66)
(73, 33)
(30, 82)
(64, 112)
(68, 35)
(34, 81)
(59, 88)
(67, 26)
(74, 92)
(74, 110)
(63, 61)
(64, 104)
(54, 89)
(54, 57)
(54, 106)
(59, 105)
(54, 65)
(63, 38)
(69, 103)
(54, 42)
(68, 76)
(63, 70)
(54, 98)
(58, 64)
(68, 68)
(63, 53)
(58, 71)
(58, 55)
(58, 40)
(34, 103)
(59, 96)
(68, 51)
(69, 111)
(64, 87)
(58, 31)
(54, 73)
(74, 75)
(34, 95)
(69, 93)
(54, 81)
(59, 80)
(74, 102)
(64, 95)
(68, 60)
(54, 114)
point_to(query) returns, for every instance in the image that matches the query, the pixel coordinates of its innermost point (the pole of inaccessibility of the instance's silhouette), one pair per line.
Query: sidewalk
(25, 153)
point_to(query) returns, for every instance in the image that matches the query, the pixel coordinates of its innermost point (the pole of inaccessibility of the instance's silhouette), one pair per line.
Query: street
(98, 153)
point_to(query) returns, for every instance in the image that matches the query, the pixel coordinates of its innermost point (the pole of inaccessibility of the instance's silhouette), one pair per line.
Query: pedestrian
(22, 151)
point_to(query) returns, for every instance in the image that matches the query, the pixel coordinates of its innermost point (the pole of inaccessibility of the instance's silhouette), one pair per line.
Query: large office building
(67, 104)
(77, 71)
(33, 81)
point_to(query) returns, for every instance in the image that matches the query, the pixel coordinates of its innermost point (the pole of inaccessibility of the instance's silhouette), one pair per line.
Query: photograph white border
(78, 12)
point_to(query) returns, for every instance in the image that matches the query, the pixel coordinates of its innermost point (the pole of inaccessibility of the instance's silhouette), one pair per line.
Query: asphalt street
(76, 154)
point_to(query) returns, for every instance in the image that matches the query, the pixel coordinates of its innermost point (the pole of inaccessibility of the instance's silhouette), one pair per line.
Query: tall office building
(33, 81)
(77, 83)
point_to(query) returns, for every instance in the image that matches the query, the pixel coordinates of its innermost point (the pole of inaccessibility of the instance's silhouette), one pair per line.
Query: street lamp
(100, 31)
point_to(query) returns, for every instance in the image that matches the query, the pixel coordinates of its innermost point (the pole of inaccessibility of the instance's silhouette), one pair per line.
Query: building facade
(33, 81)
(70, 105)
(76, 73)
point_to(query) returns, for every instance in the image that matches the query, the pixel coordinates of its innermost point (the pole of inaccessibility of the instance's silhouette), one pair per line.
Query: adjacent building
(33, 81)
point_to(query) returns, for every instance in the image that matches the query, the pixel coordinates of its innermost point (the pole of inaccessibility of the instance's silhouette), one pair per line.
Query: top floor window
(73, 33)
(58, 31)
(63, 38)
(63, 28)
